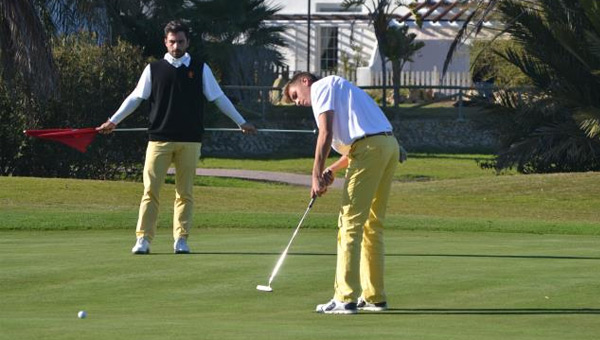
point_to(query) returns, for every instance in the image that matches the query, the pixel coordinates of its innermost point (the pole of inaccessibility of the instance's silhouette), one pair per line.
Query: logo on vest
(191, 74)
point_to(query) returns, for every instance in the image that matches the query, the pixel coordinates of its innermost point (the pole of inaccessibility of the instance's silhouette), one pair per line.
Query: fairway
(441, 286)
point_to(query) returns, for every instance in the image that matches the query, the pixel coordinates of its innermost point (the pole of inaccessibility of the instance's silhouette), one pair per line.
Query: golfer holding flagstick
(176, 87)
(350, 122)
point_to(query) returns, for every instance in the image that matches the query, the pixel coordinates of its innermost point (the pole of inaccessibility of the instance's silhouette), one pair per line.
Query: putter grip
(312, 201)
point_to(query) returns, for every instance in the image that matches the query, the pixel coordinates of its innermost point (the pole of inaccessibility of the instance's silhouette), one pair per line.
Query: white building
(343, 41)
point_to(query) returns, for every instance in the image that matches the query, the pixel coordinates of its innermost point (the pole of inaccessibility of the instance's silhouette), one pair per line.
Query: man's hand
(248, 128)
(403, 155)
(318, 187)
(106, 128)
(320, 183)
(328, 177)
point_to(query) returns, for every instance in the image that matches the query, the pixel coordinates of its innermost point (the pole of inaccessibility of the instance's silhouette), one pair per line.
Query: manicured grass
(470, 255)
(224, 182)
(440, 285)
(560, 203)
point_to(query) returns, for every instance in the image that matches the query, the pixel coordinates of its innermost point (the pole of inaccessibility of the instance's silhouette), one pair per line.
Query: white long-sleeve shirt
(211, 90)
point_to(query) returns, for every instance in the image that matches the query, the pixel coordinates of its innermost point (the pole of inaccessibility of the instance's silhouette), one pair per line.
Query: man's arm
(213, 93)
(329, 172)
(130, 104)
(322, 149)
(340, 164)
(225, 105)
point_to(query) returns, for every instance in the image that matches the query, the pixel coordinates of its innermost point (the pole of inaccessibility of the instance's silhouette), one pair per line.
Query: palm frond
(588, 119)
(473, 23)
(557, 127)
(537, 71)
(592, 11)
(352, 3)
(593, 40)
(560, 147)
(460, 37)
(24, 48)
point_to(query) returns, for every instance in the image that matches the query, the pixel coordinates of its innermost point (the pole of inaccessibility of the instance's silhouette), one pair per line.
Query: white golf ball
(82, 314)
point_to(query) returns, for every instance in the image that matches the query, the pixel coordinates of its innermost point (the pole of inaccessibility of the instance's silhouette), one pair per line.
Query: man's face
(299, 92)
(177, 44)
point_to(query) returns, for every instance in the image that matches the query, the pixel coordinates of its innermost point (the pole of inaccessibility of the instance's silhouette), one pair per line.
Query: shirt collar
(176, 62)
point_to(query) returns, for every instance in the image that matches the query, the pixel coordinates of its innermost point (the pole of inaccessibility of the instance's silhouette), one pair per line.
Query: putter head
(264, 288)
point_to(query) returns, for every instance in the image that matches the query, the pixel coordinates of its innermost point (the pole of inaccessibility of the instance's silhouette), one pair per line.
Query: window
(336, 8)
(328, 47)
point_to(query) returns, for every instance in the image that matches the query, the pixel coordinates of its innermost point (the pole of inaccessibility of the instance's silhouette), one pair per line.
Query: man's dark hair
(296, 79)
(299, 75)
(177, 26)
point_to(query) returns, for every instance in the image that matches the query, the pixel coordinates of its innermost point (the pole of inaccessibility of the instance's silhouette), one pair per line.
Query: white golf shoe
(180, 246)
(371, 307)
(337, 307)
(142, 246)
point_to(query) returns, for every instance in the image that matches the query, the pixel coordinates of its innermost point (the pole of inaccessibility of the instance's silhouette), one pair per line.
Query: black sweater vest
(176, 102)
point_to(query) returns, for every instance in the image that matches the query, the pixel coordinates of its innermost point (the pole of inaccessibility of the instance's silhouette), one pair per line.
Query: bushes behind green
(94, 80)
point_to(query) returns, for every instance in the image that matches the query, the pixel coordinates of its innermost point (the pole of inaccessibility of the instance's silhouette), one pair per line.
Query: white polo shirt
(355, 113)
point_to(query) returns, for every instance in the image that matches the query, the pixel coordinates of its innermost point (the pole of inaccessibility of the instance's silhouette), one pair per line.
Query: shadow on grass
(488, 311)
(458, 156)
(542, 257)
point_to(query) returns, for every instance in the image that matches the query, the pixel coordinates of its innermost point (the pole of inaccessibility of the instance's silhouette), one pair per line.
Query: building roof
(429, 10)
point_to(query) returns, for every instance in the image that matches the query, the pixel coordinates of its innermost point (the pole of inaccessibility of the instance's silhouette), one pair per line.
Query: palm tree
(395, 43)
(380, 12)
(234, 36)
(26, 28)
(24, 48)
(557, 127)
(400, 49)
(141, 22)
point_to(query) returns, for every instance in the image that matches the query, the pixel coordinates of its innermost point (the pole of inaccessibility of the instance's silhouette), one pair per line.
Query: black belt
(385, 133)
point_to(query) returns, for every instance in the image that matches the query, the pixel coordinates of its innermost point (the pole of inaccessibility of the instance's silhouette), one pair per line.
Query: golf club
(268, 288)
(314, 132)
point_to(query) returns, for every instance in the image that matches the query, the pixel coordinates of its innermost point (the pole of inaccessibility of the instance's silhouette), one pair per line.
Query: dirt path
(267, 176)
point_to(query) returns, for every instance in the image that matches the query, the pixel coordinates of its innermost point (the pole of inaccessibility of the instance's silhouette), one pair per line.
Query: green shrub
(489, 65)
(94, 80)
(14, 117)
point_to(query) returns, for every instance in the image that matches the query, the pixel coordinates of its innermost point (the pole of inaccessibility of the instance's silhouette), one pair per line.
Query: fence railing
(350, 75)
(433, 78)
(267, 95)
(438, 93)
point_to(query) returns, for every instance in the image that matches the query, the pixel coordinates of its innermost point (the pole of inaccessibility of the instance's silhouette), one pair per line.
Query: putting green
(441, 285)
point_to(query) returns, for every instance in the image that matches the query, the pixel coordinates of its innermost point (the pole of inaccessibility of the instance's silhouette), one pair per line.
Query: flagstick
(130, 130)
(314, 132)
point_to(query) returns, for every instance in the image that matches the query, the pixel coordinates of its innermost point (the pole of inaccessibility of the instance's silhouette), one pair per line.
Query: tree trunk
(396, 69)
(383, 79)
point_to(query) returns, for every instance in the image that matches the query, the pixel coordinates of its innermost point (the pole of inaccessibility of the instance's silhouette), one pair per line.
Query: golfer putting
(349, 121)
(177, 87)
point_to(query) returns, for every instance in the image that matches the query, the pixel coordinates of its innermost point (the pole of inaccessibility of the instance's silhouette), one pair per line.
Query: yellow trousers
(360, 247)
(159, 156)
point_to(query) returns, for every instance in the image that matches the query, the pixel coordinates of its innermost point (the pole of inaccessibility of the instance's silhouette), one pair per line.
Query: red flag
(76, 138)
